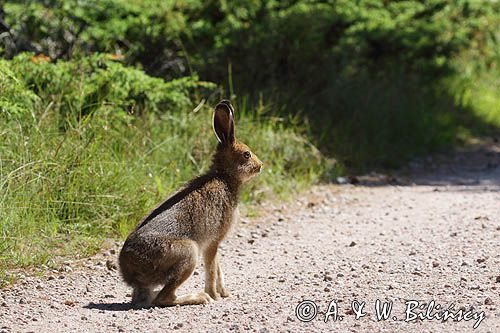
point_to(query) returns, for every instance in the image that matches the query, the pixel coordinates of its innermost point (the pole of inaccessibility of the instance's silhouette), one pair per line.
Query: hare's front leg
(214, 278)
(221, 288)
(210, 259)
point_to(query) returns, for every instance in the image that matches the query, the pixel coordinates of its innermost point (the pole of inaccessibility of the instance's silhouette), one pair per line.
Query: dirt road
(432, 234)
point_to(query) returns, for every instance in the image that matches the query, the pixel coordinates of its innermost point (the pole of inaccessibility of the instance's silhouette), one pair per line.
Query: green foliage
(15, 97)
(289, 38)
(145, 31)
(80, 87)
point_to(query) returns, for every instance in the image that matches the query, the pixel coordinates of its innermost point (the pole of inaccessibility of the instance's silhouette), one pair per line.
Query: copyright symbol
(306, 311)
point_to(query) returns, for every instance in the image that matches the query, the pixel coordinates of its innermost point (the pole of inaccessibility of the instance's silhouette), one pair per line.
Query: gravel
(435, 235)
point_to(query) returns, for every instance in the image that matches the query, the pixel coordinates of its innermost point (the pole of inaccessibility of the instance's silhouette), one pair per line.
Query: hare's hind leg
(182, 259)
(142, 296)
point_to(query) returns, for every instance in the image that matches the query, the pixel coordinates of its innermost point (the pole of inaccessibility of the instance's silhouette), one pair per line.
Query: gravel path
(433, 234)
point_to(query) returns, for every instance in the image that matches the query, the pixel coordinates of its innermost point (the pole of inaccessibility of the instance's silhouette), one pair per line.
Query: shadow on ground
(475, 168)
(111, 306)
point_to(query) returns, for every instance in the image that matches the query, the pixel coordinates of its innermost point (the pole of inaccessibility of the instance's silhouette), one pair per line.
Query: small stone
(83, 318)
(340, 275)
(251, 241)
(435, 264)
(327, 289)
(111, 265)
(342, 180)
(69, 303)
(353, 243)
(481, 260)
(497, 280)
(51, 277)
(488, 301)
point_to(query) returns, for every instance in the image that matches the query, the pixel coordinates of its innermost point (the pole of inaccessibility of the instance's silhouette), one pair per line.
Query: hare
(165, 247)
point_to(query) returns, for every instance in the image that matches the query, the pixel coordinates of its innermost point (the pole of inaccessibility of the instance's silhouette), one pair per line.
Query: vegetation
(105, 105)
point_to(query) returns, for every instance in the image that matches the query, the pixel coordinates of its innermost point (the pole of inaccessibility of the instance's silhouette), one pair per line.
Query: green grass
(69, 181)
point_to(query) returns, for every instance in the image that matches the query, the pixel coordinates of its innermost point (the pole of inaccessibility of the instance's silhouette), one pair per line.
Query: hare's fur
(165, 247)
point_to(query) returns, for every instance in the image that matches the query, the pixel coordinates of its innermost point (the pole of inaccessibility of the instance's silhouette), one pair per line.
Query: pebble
(111, 265)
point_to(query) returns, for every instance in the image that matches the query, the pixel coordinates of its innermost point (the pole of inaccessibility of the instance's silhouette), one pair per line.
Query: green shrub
(80, 87)
(288, 38)
(15, 97)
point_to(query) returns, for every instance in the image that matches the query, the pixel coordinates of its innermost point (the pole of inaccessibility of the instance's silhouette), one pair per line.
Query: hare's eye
(247, 155)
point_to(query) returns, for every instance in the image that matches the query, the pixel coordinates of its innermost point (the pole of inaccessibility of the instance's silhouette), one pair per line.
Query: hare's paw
(214, 294)
(189, 299)
(223, 292)
(194, 299)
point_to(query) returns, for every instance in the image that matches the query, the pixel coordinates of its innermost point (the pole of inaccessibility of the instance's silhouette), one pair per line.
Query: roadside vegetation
(105, 106)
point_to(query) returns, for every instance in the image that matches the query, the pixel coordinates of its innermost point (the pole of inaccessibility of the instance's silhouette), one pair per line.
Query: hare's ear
(224, 122)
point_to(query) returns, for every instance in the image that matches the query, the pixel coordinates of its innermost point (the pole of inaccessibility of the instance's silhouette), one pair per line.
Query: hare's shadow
(113, 306)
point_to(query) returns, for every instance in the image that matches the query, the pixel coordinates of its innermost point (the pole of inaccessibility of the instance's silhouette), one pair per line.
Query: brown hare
(164, 248)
